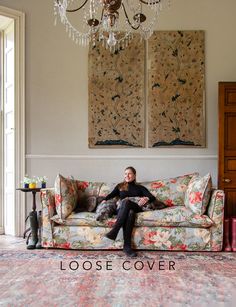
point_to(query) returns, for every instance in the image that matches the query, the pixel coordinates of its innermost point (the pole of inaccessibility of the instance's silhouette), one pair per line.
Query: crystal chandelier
(112, 22)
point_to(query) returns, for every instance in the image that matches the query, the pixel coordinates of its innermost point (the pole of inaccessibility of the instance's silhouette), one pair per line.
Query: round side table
(33, 191)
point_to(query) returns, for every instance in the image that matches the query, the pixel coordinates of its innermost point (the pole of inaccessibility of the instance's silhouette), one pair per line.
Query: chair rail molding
(115, 157)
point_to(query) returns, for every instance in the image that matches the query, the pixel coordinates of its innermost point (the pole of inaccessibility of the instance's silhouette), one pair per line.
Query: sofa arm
(216, 213)
(47, 197)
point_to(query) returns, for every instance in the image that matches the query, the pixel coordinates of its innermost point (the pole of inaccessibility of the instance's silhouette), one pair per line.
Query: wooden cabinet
(227, 145)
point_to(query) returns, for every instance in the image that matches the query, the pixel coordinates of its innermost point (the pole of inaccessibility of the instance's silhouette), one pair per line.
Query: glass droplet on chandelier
(112, 22)
(111, 39)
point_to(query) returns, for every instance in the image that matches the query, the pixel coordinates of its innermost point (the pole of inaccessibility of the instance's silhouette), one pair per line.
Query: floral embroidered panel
(116, 96)
(176, 90)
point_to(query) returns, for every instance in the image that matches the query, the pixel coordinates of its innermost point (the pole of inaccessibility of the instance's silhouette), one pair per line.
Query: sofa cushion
(87, 195)
(84, 219)
(198, 194)
(89, 187)
(85, 203)
(66, 195)
(170, 191)
(169, 217)
(106, 188)
(173, 216)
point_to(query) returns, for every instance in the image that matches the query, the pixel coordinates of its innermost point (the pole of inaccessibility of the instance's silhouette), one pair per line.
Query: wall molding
(123, 157)
(1, 230)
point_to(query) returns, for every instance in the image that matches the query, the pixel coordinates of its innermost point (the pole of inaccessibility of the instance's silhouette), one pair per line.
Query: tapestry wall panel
(116, 96)
(176, 90)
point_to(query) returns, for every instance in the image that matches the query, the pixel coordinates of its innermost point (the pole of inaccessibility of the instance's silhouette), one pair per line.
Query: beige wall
(57, 98)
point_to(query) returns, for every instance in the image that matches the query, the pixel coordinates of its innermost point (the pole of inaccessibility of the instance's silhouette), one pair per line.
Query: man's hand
(143, 201)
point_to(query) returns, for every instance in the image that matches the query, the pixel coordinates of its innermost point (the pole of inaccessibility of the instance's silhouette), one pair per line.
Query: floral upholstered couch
(193, 220)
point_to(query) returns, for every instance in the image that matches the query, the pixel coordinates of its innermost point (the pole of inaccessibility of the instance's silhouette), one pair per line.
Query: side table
(33, 191)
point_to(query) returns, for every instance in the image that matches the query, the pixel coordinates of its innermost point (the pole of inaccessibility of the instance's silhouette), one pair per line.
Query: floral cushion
(170, 191)
(198, 194)
(106, 188)
(87, 195)
(90, 188)
(172, 216)
(86, 202)
(66, 195)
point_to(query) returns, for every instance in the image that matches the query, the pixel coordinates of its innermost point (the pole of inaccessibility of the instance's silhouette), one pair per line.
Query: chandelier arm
(127, 17)
(102, 16)
(109, 22)
(79, 8)
(145, 2)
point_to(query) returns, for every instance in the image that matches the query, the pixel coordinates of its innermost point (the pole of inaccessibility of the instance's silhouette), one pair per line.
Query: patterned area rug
(108, 278)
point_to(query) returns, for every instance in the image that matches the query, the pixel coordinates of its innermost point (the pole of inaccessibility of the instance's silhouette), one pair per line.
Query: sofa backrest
(170, 191)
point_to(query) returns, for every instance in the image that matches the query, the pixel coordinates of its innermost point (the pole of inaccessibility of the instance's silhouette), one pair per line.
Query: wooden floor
(10, 242)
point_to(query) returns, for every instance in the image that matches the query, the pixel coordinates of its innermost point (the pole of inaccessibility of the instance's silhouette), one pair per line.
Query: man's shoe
(129, 252)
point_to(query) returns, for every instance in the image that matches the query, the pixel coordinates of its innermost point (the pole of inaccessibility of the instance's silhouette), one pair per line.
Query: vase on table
(43, 185)
(32, 185)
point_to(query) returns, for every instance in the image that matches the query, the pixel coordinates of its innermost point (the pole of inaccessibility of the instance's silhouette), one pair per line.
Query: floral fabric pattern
(90, 188)
(198, 194)
(154, 238)
(87, 194)
(106, 188)
(171, 217)
(174, 228)
(170, 191)
(47, 197)
(66, 195)
(175, 216)
(216, 213)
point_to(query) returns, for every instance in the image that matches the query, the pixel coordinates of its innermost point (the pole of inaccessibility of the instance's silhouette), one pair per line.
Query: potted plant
(33, 183)
(26, 181)
(43, 181)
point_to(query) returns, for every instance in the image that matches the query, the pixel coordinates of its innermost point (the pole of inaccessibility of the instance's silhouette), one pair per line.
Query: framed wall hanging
(116, 96)
(176, 90)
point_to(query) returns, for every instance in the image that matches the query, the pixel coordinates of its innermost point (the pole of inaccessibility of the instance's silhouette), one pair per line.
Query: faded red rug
(108, 278)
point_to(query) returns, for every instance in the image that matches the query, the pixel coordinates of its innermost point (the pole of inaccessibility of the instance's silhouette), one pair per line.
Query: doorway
(7, 122)
(12, 121)
(227, 145)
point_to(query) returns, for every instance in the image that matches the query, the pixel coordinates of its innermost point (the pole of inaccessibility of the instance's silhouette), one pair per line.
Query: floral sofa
(193, 220)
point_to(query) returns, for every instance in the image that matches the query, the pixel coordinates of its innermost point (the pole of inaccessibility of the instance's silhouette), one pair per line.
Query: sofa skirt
(146, 238)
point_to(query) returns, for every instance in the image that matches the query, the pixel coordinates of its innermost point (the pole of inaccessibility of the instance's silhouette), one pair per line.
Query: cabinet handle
(227, 180)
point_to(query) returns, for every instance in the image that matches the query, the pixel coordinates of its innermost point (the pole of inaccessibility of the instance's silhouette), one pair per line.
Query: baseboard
(1, 231)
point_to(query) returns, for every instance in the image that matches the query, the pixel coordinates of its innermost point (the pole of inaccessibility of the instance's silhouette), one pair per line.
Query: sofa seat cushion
(174, 216)
(84, 219)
